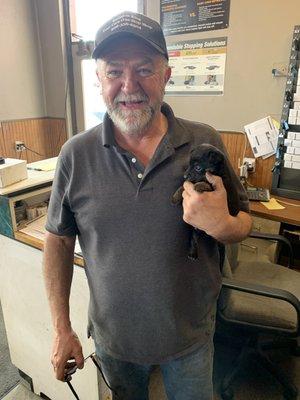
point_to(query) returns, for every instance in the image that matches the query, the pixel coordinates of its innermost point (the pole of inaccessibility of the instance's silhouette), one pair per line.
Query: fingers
(79, 360)
(215, 181)
(63, 371)
(59, 370)
(188, 188)
(66, 355)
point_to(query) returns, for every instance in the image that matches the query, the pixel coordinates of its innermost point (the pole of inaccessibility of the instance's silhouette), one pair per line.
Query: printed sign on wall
(183, 16)
(198, 66)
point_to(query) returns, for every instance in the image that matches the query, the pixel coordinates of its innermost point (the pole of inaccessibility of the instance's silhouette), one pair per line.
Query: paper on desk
(36, 228)
(44, 165)
(262, 136)
(272, 204)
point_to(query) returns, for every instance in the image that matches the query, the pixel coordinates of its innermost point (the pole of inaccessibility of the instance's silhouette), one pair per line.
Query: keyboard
(258, 194)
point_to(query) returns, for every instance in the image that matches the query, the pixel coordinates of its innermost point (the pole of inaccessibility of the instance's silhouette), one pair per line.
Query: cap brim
(101, 46)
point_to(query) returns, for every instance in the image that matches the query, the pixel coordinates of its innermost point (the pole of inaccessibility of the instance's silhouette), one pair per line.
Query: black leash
(100, 370)
(92, 356)
(72, 390)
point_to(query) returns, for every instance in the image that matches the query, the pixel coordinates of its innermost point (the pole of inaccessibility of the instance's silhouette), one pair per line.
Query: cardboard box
(12, 171)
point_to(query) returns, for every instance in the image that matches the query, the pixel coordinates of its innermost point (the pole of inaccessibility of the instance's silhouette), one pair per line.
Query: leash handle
(72, 371)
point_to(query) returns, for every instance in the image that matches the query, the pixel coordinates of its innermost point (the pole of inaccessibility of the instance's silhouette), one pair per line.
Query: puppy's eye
(197, 168)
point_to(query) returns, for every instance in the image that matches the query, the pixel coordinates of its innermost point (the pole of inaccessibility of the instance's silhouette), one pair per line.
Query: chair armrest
(278, 238)
(266, 291)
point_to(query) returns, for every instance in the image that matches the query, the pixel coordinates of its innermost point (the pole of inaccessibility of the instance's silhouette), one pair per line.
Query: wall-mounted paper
(263, 136)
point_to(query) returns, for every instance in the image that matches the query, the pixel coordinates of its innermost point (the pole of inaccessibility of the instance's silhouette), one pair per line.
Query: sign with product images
(184, 16)
(198, 66)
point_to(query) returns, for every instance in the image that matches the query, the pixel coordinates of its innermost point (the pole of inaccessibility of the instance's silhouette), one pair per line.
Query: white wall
(259, 35)
(32, 79)
(21, 85)
(52, 57)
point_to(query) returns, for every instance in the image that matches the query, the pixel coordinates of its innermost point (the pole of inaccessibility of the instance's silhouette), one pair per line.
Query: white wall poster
(198, 66)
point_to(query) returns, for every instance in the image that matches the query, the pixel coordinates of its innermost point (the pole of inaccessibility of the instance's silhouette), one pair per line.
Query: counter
(24, 303)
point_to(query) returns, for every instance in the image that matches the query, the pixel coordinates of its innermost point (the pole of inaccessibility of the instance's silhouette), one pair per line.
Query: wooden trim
(2, 144)
(57, 118)
(29, 119)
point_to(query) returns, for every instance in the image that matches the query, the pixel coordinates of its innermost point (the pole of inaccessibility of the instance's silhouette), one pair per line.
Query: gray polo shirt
(148, 301)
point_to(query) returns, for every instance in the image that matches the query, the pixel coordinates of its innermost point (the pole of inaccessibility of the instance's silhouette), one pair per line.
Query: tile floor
(21, 392)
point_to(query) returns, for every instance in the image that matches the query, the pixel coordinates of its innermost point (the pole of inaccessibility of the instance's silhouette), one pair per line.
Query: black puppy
(206, 158)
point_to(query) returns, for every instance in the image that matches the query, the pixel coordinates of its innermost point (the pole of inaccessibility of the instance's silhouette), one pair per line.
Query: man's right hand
(66, 347)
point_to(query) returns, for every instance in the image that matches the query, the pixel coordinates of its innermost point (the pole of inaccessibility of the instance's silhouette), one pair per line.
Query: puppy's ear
(216, 163)
(177, 196)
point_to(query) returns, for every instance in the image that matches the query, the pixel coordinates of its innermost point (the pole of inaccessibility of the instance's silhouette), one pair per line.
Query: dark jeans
(185, 378)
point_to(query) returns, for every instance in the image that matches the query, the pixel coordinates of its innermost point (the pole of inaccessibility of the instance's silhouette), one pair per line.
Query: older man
(149, 303)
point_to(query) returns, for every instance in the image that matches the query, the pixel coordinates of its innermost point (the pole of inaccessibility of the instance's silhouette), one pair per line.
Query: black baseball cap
(134, 24)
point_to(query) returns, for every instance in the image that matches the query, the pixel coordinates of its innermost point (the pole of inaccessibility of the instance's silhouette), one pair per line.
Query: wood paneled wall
(238, 147)
(46, 136)
(43, 136)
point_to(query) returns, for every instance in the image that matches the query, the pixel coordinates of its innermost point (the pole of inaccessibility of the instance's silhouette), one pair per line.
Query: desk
(289, 219)
(23, 298)
(28, 322)
(35, 179)
(290, 214)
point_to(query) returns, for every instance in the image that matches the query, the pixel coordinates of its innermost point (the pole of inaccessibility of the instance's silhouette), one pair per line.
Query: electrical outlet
(243, 171)
(19, 145)
(249, 163)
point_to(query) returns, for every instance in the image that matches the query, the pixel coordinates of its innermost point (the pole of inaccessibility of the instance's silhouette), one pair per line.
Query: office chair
(260, 298)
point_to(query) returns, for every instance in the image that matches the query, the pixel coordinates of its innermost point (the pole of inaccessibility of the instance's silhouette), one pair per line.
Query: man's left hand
(207, 211)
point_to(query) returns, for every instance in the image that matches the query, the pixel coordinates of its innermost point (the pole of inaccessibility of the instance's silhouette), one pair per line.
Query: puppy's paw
(203, 187)
(177, 196)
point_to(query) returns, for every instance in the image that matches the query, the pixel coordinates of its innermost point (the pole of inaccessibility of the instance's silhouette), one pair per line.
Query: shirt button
(140, 176)
(133, 160)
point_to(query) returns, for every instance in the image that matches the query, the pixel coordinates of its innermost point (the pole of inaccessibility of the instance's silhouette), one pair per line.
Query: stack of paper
(36, 228)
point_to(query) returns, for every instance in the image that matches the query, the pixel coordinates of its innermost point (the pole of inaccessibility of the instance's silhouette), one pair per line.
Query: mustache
(130, 98)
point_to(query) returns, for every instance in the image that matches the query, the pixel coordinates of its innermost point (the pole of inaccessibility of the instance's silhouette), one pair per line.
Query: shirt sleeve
(60, 218)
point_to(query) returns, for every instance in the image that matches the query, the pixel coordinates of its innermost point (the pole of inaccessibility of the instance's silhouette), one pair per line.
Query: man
(149, 303)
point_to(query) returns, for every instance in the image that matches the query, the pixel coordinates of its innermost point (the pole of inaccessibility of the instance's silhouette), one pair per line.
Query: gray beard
(133, 122)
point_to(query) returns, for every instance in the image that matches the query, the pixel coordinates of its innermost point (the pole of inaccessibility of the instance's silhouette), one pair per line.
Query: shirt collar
(177, 134)
(108, 138)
